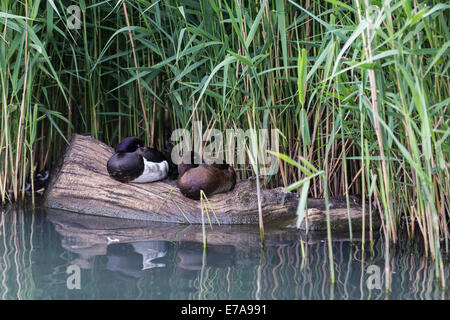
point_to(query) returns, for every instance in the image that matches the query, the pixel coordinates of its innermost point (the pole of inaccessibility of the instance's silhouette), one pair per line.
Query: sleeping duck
(196, 175)
(133, 162)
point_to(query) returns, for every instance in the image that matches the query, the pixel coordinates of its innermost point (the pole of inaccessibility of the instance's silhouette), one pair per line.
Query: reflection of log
(90, 236)
(80, 183)
(82, 231)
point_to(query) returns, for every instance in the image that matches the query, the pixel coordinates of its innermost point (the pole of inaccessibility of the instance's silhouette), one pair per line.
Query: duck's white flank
(153, 171)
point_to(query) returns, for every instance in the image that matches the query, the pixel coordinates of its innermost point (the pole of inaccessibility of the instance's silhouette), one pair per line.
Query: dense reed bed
(358, 90)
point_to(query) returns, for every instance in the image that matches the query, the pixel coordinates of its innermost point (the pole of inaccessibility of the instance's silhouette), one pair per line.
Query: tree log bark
(80, 183)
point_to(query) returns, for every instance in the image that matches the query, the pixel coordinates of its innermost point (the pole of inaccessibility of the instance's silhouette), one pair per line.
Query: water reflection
(121, 259)
(131, 259)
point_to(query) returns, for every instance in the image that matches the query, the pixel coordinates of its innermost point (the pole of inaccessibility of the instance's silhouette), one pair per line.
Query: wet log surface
(80, 183)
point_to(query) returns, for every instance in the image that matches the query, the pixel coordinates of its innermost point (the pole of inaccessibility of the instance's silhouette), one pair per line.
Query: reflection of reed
(15, 263)
(280, 277)
(16, 254)
(3, 263)
(34, 254)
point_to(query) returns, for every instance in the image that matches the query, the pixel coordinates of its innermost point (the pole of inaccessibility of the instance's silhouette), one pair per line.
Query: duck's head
(130, 144)
(189, 160)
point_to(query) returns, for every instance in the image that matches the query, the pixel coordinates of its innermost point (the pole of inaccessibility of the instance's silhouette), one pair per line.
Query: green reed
(359, 89)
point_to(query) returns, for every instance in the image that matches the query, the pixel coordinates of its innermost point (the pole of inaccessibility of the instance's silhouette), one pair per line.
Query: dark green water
(120, 259)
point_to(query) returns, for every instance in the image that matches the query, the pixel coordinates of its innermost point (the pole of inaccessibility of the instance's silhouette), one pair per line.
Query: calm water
(120, 259)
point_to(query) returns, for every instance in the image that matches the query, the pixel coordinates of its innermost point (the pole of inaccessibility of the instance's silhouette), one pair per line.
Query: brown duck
(196, 175)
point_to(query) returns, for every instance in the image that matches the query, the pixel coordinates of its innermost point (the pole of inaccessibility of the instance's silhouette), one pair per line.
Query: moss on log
(80, 183)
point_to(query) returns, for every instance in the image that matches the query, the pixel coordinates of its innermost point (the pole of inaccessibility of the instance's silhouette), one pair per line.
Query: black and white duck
(133, 162)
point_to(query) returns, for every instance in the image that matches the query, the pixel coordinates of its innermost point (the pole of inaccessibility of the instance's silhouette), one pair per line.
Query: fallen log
(80, 183)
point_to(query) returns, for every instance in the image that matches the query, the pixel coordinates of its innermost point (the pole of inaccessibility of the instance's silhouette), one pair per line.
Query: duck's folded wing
(153, 155)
